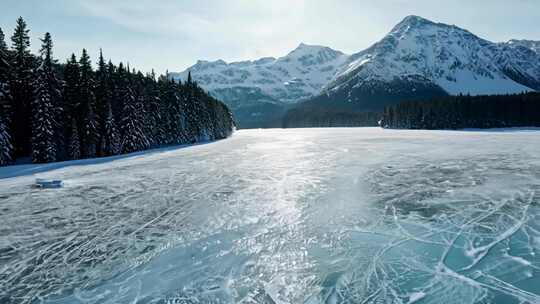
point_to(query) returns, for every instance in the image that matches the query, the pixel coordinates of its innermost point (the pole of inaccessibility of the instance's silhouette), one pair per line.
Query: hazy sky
(173, 34)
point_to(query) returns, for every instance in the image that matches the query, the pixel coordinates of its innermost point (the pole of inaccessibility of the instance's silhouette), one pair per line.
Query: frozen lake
(359, 215)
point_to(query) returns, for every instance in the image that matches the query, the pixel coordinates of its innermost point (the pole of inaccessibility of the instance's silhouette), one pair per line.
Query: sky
(173, 34)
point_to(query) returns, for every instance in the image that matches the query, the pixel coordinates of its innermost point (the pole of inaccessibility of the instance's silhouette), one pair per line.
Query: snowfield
(359, 215)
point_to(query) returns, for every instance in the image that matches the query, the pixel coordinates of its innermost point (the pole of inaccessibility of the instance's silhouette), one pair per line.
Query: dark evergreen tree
(43, 109)
(90, 128)
(72, 75)
(190, 106)
(150, 113)
(74, 142)
(164, 109)
(133, 137)
(6, 147)
(102, 98)
(21, 88)
(120, 79)
(5, 75)
(176, 108)
(111, 137)
(90, 135)
(71, 104)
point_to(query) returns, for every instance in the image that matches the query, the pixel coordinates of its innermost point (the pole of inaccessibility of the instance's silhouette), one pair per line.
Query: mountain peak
(412, 22)
(310, 49)
(414, 19)
(305, 46)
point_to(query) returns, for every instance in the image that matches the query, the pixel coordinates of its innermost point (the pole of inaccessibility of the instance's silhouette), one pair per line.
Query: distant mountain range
(418, 59)
(259, 91)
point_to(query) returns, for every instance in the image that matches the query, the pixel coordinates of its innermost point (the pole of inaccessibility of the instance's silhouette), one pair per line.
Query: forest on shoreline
(53, 112)
(465, 111)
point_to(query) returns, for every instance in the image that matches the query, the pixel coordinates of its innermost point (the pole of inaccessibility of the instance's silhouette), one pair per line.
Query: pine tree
(90, 135)
(102, 96)
(72, 114)
(43, 143)
(163, 109)
(190, 105)
(111, 138)
(189, 79)
(55, 87)
(6, 148)
(43, 109)
(72, 76)
(120, 80)
(146, 105)
(74, 142)
(21, 88)
(153, 125)
(5, 71)
(133, 137)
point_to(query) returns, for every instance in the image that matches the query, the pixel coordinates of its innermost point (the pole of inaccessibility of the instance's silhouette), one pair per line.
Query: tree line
(53, 112)
(310, 116)
(464, 111)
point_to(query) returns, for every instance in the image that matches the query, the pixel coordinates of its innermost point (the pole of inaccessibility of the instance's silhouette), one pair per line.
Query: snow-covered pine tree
(178, 134)
(111, 138)
(145, 100)
(164, 113)
(5, 70)
(43, 110)
(102, 97)
(72, 114)
(22, 91)
(74, 141)
(6, 148)
(90, 130)
(114, 95)
(203, 115)
(152, 109)
(133, 137)
(193, 120)
(91, 133)
(161, 132)
(55, 90)
(43, 143)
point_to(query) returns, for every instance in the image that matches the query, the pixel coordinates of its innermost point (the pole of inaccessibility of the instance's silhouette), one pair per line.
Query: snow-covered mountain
(255, 88)
(417, 59)
(298, 75)
(530, 44)
(419, 51)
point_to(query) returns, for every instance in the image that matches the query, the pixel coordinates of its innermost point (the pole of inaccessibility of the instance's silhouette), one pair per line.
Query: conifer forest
(54, 111)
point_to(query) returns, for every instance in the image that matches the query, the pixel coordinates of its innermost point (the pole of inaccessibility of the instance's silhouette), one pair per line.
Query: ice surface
(359, 215)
